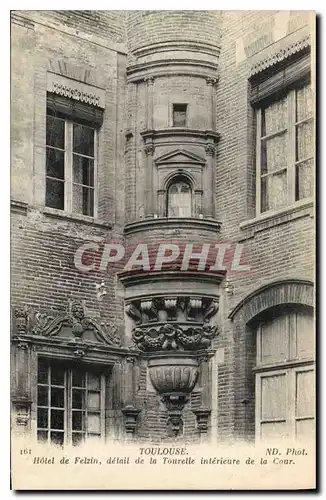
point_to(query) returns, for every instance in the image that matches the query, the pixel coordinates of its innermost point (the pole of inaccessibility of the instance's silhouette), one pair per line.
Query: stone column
(149, 81)
(129, 410)
(149, 194)
(209, 182)
(211, 82)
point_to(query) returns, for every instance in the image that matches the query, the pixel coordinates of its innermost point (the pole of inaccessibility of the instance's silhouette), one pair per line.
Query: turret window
(179, 199)
(179, 115)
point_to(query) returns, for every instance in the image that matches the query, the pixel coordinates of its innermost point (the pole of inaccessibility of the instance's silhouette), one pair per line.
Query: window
(179, 115)
(179, 199)
(285, 379)
(70, 404)
(70, 165)
(285, 149)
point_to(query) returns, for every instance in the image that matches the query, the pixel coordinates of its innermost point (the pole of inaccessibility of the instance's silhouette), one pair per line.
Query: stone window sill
(270, 219)
(83, 219)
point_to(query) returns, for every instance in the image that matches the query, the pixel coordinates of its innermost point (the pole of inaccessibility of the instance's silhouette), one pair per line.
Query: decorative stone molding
(202, 416)
(279, 56)
(77, 319)
(149, 149)
(168, 336)
(131, 414)
(211, 81)
(174, 378)
(148, 309)
(21, 321)
(178, 45)
(210, 149)
(291, 291)
(149, 80)
(194, 223)
(22, 409)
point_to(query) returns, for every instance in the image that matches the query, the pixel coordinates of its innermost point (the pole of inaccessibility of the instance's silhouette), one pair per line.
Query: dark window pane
(57, 420)
(42, 418)
(83, 200)
(42, 396)
(54, 194)
(78, 378)
(78, 421)
(77, 438)
(43, 372)
(55, 163)
(42, 436)
(78, 398)
(57, 375)
(83, 140)
(179, 115)
(83, 170)
(55, 132)
(57, 438)
(57, 397)
(304, 180)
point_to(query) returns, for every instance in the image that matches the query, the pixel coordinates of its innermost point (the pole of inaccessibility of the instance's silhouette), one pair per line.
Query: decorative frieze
(76, 318)
(168, 336)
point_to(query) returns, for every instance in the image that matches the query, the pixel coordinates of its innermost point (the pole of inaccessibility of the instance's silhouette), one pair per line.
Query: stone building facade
(158, 128)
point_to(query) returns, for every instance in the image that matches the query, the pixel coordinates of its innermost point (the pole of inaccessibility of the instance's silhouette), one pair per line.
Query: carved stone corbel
(171, 308)
(194, 307)
(133, 312)
(202, 417)
(211, 310)
(21, 321)
(131, 414)
(149, 309)
(22, 408)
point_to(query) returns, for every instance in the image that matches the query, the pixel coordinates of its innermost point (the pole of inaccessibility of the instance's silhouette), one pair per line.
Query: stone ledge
(172, 223)
(19, 207)
(271, 219)
(83, 219)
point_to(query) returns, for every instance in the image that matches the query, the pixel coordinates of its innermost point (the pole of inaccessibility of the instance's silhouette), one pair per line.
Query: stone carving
(21, 321)
(170, 336)
(196, 309)
(174, 377)
(49, 326)
(211, 81)
(149, 149)
(131, 414)
(149, 310)
(193, 307)
(133, 312)
(211, 310)
(210, 149)
(22, 407)
(202, 416)
(170, 307)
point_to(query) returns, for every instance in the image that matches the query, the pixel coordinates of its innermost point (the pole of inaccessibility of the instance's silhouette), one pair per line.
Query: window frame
(68, 167)
(292, 163)
(293, 364)
(67, 408)
(186, 114)
(173, 181)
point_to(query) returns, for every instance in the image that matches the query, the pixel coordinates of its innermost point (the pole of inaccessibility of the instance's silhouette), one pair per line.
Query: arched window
(179, 199)
(285, 378)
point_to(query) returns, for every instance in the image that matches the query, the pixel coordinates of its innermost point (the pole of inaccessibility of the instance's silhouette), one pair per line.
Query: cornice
(207, 135)
(183, 223)
(280, 56)
(133, 278)
(177, 45)
(166, 67)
